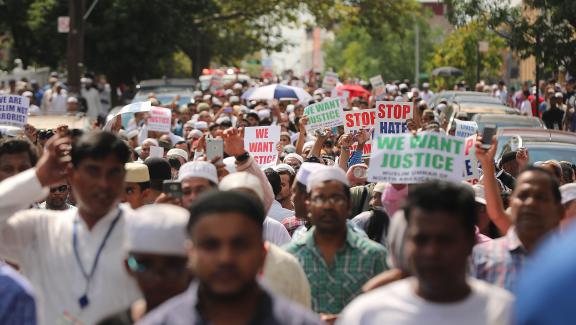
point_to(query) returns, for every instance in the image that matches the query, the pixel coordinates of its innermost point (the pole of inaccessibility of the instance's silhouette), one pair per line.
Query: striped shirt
(499, 261)
(334, 286)
(17, 303)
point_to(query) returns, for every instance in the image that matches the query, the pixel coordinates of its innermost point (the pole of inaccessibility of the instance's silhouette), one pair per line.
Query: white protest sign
(137, 107)
(378, 85)
(160, 119)
(215, 82)
(14, 110)
(156, 152)
(261, 142)
(391, 117)
(410, 159)
(326, 114)
(342, 94)
(470, 172)
(330, 80)
(465, 129)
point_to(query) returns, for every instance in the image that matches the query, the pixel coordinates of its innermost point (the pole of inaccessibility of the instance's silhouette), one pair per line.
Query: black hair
(14, 146)
(210, 203)
(552, 180)
(274, 180)
(99, 145)
(290, 175)
(174, 162)
(254, 115)
(443, 196)
(143, 186)
(566, 171)
(378, 224)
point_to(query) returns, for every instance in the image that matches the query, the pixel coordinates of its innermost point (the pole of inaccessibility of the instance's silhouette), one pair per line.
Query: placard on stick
(326, 114)
(14, 110)
(261, 142)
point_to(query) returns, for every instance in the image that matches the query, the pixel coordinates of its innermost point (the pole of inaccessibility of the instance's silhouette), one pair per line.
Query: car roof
(529, 135)
(486, 108)
(476, 99)
(522, 119)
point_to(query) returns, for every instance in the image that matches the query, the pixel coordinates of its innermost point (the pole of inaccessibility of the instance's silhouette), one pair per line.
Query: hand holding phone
(172, 188)
(214, 148)
(487, 134)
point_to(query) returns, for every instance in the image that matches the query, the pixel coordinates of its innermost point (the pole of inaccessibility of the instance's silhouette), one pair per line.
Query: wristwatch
(243, 157)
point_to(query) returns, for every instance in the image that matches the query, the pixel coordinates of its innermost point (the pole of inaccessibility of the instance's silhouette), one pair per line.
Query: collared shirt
(17, 304)
(278, 213)
(40, 241)
(499, 261)
(292, 224)
(334, 286)
(272, 309)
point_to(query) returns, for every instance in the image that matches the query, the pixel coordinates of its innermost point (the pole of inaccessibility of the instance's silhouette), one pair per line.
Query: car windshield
(544, 152)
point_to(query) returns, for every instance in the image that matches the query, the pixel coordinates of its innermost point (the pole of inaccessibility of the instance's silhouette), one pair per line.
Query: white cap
(132, 134)
(27, 94)
(206, 97)
(284, 167)
(201, 125)
(559, 95)
(234, 99)
(223, 119)
(290, 108)
(228, 92)
(306, 170)
(197, 93)
(230, 164)
(264, 113)
(425, 85)
(237, 86)
(194, 134)
(200, 169)
(479, 194)
(152, 141)
(216, 101)
(242, 180)
(158, 229)
(328, 173)
(295, 156)
(403, 86)
(189, 124)
(136, 173)
(72, 100)
(441, 107)
(568, 192)
(380, 187)
(319, 91)
(178, 152)
(308, 145)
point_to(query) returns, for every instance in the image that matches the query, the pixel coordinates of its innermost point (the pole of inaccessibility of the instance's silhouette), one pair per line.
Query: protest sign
(215, 82)
(470, 172)
(330, 80)
(160, 119)
(465, 129)
(412, 159)
(359, 119)
(391, 117)
(378, 85)
(343, 95)
(14, 110)
(326, 114)
(261, 142)
(156, 152)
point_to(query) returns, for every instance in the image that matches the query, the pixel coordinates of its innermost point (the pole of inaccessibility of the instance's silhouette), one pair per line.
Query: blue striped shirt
(17, 304)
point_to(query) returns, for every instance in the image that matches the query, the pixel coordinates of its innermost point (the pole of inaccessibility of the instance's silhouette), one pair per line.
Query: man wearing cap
(137, 188)
(156, 258)
(375, 222)
(568, 192)
(336, 260)
(182, 155)
(145, 151)
(33, 109)
(276, 211)
(294, 160)
(554, 115)
(426, 93)
(72, 106)
(227, 253)
(287, 175)
(197, 177)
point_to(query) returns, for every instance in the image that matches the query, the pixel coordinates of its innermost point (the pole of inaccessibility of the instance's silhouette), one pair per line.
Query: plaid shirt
(334, 286)
(292, 223)
(499, 261)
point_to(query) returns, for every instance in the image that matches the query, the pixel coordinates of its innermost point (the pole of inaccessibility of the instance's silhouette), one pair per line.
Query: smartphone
(214, 148)
(172, 188)
(487, 134)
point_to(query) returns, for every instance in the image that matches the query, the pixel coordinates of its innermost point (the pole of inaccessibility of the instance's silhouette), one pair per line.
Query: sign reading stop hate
(387, 118)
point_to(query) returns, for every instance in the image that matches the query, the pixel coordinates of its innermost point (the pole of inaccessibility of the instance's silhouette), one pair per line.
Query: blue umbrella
(277, 91)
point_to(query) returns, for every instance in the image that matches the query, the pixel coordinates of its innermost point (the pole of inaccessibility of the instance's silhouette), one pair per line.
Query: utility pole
(75, 49)
(417, 55)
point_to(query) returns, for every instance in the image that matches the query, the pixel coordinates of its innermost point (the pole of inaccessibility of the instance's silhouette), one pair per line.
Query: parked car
(450, 94)
(542, 144)
(466, 111)
(501, 121)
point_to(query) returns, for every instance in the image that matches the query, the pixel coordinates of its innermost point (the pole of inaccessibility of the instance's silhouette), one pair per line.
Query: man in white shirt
(74, 259)
(440, 236)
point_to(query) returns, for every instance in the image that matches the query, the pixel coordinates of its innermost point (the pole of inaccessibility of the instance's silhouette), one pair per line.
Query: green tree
(388, 50)
(545, 29)
(460, 50)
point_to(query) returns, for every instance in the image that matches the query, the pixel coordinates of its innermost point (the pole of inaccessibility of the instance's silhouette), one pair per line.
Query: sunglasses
(60, 189)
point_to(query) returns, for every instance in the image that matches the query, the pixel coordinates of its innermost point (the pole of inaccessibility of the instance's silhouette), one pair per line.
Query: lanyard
(83, 301)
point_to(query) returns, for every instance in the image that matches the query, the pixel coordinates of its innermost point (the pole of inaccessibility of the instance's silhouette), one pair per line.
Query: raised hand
(54, 163)
(234, 141)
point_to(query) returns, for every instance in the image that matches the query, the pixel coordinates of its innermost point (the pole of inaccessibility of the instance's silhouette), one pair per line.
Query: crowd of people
(97, 228)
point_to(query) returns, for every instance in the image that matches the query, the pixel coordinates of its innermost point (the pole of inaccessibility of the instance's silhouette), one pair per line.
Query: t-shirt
(398, 304)
(526, 108)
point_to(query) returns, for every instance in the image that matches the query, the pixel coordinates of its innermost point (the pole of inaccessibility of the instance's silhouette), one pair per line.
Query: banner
(343, 95)
(14, 110)
(392, 116)
(470, 172)
(330, 80)
(160, 119)
(378, 85)
(215, 82)
(261, 142)
(465, 129)
(412, 159)
(326, 114)
(359, 119)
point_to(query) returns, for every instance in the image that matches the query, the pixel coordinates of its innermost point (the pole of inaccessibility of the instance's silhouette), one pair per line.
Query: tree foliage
(388, 50)
(460, 50)
(542, 28)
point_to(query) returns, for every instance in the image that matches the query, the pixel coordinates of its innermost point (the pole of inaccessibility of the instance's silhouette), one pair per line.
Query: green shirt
(334, 286)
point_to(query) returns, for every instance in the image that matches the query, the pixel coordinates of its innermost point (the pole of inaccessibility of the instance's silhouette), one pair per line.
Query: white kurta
(40, 241)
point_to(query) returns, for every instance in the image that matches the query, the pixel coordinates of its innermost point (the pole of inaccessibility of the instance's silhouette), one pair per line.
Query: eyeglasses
(60, 189)
(172, 269)
(333, 200)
